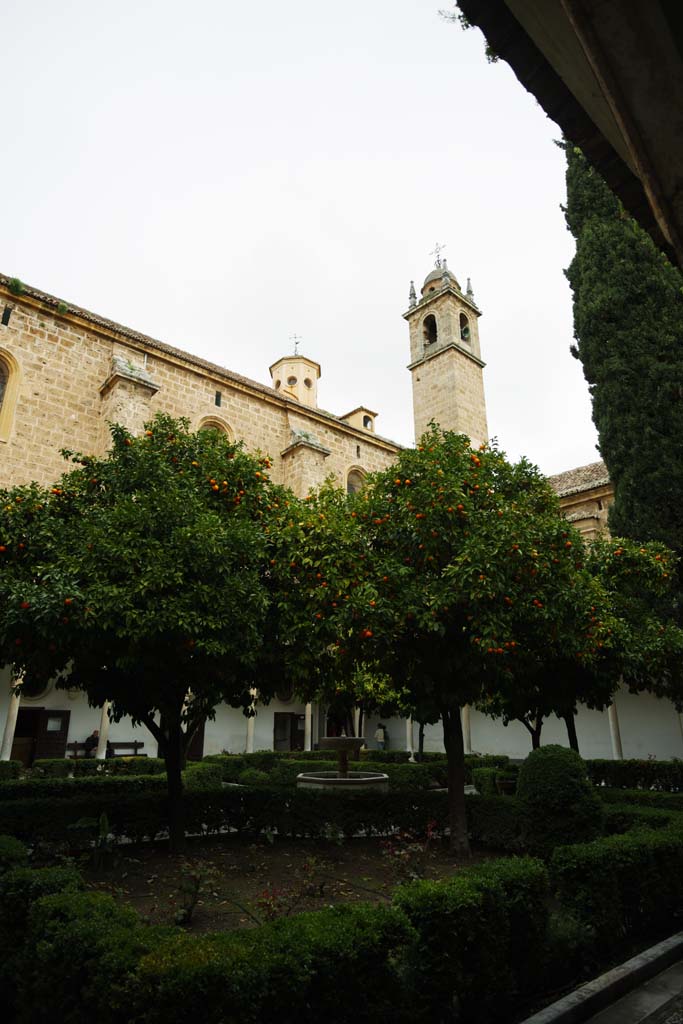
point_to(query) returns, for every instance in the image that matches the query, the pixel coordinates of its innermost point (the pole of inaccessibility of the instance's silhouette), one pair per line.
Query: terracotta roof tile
(583, 478)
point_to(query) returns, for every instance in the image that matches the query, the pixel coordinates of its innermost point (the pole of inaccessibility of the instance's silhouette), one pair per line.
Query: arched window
(216, 423)
(367, 422)
(429, 331)
(465, 334)
(355, 481)
(9, 390)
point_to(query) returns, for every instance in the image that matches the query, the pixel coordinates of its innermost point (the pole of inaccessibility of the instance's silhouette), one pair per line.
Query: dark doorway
(288, 731)
(40, 733)
(195, 751)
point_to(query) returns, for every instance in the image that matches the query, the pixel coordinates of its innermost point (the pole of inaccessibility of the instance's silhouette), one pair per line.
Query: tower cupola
(297, 377)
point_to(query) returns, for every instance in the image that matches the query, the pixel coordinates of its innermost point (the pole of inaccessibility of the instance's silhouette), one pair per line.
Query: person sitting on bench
(92, 743)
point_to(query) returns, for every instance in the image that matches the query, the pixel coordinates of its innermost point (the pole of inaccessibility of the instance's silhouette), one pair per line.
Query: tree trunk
(174, 755)
(455, 754)
(570, 722)
(533, 730)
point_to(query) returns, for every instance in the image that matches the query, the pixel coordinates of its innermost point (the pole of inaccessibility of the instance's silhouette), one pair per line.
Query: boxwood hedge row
(470, 949)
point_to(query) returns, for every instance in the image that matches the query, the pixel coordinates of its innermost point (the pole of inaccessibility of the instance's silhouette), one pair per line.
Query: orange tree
(452, 573)
(639, 585)
(141, 578)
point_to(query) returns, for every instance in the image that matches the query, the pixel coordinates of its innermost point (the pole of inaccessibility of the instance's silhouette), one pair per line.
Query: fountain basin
(343, 780)
(352, 782)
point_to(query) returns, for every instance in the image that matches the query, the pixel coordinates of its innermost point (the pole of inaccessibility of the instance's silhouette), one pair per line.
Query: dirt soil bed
(231, 882)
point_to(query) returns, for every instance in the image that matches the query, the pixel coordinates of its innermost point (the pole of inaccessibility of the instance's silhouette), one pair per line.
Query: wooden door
(52, 734)
(282, 730)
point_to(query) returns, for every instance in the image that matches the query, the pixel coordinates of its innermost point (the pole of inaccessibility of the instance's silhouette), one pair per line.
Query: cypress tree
(628, 326)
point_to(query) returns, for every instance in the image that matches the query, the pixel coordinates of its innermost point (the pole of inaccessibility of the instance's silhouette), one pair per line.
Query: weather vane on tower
(436, 253)
(296, 338)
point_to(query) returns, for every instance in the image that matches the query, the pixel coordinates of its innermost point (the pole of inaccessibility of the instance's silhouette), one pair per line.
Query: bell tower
(445, 358)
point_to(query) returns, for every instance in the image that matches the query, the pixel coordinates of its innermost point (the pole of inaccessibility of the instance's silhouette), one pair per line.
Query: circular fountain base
(353, 782)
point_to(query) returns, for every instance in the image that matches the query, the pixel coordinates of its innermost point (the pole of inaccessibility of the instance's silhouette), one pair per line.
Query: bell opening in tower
(429, 329)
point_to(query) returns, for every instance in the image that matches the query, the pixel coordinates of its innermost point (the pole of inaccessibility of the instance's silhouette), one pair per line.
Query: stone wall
(77, 371)
(448, 388)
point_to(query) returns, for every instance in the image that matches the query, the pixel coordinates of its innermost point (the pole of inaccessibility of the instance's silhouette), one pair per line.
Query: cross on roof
(436, 252)
(296, 338)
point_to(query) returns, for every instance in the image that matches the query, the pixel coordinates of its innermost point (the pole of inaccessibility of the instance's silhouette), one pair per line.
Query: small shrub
(20, 889)
(253, 777)
(81, 950)
(484, 780)
(13, 854)
(10, 769)
(202, 775)
(495, 822)
(16, 286)
(460, 971)
(557, 803)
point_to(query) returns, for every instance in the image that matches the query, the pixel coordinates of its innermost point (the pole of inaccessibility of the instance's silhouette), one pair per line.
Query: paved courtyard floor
(658, 1001)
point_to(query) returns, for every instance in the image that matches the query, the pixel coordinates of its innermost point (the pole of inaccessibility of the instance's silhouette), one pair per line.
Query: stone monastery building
(89, 371)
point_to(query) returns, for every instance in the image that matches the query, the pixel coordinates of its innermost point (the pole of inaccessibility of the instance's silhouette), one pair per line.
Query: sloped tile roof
(583, 478)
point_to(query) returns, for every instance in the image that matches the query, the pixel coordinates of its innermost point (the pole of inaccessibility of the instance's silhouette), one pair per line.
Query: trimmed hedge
(284, 770)
(63, 767)
(58, 788)
(20, 888)
(470, 949)
(620, 818)
(10, 769)
(484, 779)
(495, 822)
(659, 775)
(13, 854)
(472, 937)
(622, 884)
(136, 808)
(338, 964)
(81, 950)
(642, 798)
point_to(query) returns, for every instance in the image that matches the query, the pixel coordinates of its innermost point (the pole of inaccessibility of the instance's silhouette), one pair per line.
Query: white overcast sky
(222, 175)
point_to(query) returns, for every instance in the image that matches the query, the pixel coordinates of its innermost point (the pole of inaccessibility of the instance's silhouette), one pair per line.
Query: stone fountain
(343, 779)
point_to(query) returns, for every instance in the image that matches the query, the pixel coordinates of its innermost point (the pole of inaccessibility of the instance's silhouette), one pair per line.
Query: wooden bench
(130, 748)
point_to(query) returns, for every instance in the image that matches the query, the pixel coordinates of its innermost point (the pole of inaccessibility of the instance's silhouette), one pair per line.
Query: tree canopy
(140, 577)
(628, 325)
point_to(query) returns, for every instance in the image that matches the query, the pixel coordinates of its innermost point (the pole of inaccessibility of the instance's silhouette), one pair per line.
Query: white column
(10, 723)
(615, 734)
(308, 727)
(466, 729)
(680, 722)
(356, 720)
(104, 731)
(409, 739)
(251, 722)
